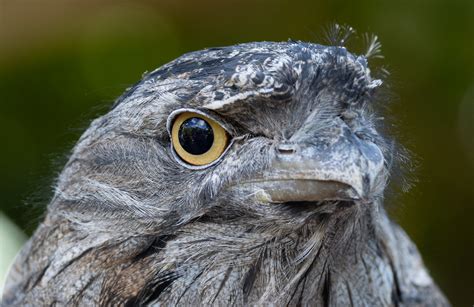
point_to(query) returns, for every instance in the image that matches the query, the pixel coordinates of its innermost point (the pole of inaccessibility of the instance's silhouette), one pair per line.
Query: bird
(247, 175)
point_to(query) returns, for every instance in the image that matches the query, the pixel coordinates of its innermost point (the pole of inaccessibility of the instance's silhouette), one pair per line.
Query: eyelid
(175, 113)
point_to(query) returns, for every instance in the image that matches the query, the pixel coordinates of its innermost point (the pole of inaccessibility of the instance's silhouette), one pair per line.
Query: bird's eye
(198, 140)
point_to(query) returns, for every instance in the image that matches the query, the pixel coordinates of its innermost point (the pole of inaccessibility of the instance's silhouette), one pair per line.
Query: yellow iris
(197, 139)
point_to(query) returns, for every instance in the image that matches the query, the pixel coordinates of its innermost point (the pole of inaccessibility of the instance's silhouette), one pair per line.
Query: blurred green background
(62, 63)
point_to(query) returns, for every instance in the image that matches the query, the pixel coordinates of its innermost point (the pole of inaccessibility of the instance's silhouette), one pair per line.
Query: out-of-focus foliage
(12, 239)
(63, 62)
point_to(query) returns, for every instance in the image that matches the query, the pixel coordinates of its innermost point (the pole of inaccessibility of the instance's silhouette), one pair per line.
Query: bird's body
(290, 212)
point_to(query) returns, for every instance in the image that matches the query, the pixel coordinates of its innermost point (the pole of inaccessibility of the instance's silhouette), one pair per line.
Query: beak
(343, 168)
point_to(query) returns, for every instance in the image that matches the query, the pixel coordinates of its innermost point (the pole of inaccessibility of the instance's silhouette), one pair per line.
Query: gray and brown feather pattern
(291, 214)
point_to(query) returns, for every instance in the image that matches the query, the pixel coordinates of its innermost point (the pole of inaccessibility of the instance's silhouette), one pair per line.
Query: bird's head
(248, 161)
(264, 133)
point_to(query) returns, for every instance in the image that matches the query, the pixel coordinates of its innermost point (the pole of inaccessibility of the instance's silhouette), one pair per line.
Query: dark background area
(62, 63)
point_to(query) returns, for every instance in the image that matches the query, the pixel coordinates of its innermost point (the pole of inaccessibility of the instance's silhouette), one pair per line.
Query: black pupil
(195, 136)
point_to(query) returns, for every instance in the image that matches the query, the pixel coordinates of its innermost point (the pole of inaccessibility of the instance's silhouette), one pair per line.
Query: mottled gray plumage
(128, 224)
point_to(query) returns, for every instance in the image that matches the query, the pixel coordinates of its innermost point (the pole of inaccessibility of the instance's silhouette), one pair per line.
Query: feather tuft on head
(338, 35)
(374, 47)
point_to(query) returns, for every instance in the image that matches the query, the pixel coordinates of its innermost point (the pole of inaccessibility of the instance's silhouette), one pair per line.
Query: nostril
(286, 149)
